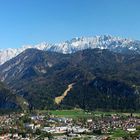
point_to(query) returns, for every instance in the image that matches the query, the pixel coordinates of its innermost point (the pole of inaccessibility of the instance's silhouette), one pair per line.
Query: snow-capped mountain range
(115, 44)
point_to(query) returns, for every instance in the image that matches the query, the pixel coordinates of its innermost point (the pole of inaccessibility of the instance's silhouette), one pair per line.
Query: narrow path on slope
(59, 99)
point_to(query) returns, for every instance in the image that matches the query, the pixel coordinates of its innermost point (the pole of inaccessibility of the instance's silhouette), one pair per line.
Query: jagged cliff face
(115, 44)
(103, 79)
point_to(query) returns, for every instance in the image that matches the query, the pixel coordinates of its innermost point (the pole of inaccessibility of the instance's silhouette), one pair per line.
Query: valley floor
(70, 125)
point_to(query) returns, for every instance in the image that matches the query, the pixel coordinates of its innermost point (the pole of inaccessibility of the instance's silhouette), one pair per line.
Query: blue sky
(33, 21)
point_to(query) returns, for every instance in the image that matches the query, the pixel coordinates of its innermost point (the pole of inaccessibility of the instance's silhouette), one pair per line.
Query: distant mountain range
(115, 44)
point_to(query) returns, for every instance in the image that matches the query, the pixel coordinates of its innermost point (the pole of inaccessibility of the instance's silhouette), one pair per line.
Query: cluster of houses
(108, 123)
(66, 129)
(12, 127)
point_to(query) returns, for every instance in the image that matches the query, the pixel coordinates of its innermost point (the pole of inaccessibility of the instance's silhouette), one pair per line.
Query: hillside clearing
(59, 99)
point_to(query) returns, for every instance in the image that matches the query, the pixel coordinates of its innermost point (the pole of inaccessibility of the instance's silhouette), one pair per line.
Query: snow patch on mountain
(7, 54)
(115, 44)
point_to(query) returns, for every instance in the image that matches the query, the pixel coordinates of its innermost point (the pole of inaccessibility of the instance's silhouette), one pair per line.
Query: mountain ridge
(112, 43)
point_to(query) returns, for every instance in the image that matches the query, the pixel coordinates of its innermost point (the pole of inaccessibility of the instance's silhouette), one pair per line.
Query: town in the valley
(47, 125)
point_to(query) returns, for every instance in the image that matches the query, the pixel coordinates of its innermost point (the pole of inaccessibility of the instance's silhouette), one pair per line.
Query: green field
(118, 133)
(80, 113)
(70, 113)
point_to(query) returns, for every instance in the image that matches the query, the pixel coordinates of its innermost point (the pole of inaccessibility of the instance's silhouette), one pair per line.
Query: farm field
(81, 113)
